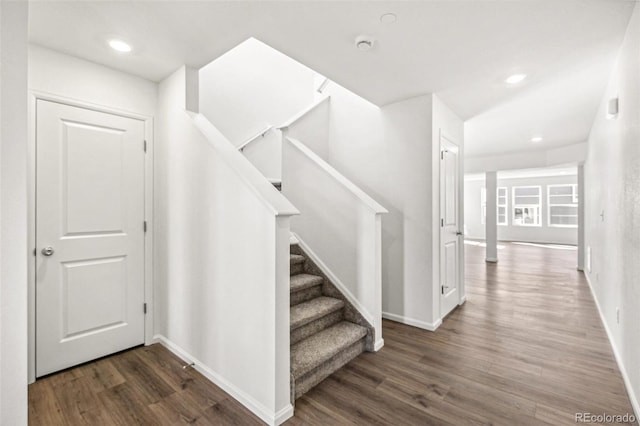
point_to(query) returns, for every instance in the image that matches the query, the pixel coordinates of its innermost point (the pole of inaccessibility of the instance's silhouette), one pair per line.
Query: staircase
(322, 339)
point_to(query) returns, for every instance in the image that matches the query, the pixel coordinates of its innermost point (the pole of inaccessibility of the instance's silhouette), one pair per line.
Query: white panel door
(89, 235)
(450, 226)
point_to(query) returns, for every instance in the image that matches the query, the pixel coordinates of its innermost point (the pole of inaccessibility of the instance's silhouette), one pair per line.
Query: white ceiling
(460, 50)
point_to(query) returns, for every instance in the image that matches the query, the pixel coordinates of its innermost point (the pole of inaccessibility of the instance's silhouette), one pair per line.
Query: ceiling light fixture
(364, 43)
(536, 139)
(120, 46)
(388, 18)
(516, 78)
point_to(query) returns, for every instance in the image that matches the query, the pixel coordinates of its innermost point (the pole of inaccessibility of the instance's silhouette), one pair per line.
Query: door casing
(461, 285)
(34, 96)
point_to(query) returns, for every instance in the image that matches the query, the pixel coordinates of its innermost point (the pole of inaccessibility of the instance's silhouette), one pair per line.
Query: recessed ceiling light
(536, 139)
(120, 46)
(388, 18)
(516, 78)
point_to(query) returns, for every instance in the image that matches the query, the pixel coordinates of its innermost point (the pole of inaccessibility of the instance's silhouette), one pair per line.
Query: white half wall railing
(222, 259)
(339, 227)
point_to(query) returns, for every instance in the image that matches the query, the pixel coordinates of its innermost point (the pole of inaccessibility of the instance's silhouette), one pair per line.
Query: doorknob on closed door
(47, 251)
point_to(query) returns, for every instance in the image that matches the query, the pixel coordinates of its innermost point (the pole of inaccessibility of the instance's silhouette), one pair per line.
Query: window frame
(505, 205)
(515, 206)
(483, 205)
(574, 196)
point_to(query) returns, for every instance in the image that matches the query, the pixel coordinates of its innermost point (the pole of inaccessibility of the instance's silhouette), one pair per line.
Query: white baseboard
(462, 300)
(378, 345)
(625, 377)
(412, 322)
(335, 281)
(266, 415)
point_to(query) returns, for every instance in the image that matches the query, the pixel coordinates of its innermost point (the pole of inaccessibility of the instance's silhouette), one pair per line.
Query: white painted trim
(335, 281)
(34, 96)
(462, 300)
(616, 353)
(372, 204)
(290, 122)
(438, 229)
(378, 345)
(412, 322)
(269, 417)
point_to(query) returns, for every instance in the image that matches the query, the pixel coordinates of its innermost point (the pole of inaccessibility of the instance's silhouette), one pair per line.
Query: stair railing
(255, 137)
(339, 227)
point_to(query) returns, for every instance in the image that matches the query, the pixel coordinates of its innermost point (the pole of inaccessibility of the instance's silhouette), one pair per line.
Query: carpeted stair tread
(295, 259)
(306, 312)
(321, 347)
(303, 281)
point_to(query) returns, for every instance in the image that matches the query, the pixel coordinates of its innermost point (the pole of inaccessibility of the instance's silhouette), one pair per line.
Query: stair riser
(305, 295)
(306, 382)
(316, 326)
(296, 269)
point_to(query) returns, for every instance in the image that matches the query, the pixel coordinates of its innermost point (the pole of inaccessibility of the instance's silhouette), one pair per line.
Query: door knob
(47, 251)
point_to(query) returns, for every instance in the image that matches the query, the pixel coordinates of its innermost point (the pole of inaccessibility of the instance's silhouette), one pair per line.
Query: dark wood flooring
(526, 348)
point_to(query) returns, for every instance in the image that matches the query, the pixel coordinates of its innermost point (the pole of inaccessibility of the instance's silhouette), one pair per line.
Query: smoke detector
(364, 43)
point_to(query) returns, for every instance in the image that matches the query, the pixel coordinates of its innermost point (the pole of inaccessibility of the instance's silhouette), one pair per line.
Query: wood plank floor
(526, 348)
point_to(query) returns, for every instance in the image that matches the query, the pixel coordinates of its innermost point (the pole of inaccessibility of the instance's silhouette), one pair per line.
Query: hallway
(528, 347)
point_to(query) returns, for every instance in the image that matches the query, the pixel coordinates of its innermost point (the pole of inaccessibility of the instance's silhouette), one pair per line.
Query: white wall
(77, 79)
(543, 234)
(391, 153)
(13, 213)
(570, 154)
(612, 188)
(217, 252)
(251, 86)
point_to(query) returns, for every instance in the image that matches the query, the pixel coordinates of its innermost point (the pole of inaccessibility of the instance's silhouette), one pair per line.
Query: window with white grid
(563, 205)
(527, 205)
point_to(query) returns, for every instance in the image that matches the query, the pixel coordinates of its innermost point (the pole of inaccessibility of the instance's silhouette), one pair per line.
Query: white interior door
(89, 235)
(450, 226)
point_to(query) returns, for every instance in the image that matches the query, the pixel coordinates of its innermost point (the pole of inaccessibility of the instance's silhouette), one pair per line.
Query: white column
(581, 217)
(491, 222)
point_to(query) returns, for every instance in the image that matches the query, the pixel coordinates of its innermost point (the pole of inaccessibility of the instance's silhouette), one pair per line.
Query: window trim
(574, 196)
(483, 205)
(514, 206)
(505, 205)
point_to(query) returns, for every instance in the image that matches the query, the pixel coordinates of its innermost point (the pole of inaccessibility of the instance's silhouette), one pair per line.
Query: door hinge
(145, 146)
(442, 223)
(144, 308)
(144, 226)
(442, 155)
(35, 251)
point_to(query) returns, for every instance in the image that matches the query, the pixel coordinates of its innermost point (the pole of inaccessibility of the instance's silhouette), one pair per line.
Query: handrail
(249, 175)
(323, 85)
(304, 112)
(255, 137)
(357, 192)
